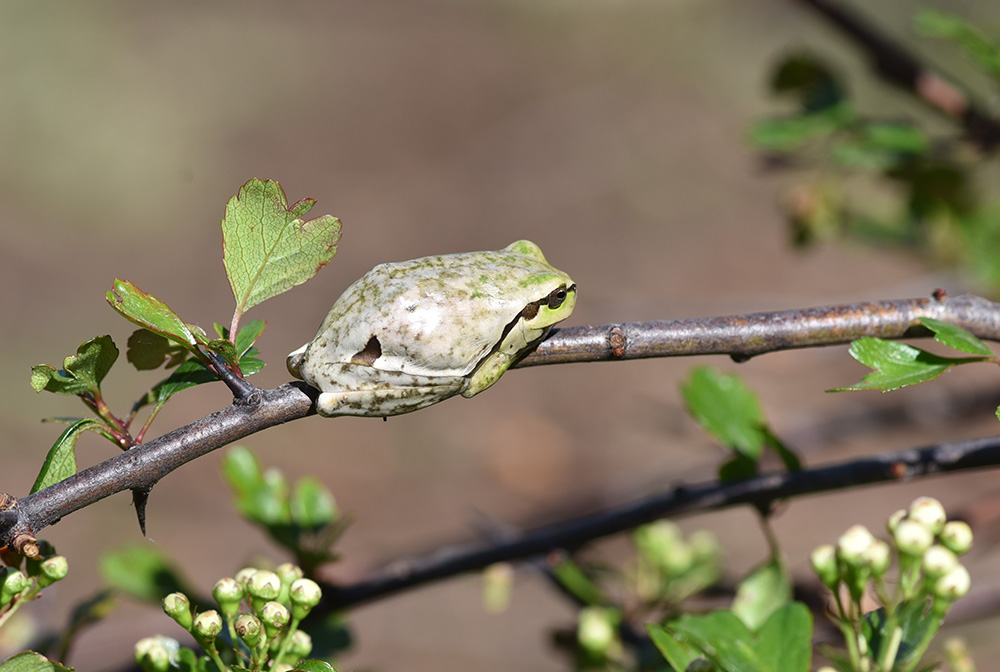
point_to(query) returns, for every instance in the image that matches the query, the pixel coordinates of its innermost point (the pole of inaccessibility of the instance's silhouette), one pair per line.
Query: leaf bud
(178, 607)
(957, 535)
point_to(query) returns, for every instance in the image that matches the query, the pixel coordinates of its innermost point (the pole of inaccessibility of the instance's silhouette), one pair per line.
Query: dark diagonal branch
(740, 337)
(759, 492)
(902, 68)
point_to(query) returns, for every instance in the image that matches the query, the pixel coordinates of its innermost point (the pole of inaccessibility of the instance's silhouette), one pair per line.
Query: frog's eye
(557, 297)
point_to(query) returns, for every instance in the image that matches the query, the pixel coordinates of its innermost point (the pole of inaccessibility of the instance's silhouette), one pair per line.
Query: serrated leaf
(30, 661)
(147, 351)
(956, 337)
(896, 364)
(723, 638)
(267, 247)
(150, 313)
(725, 407)
(60, 463)
(762, 593)
(81, 373)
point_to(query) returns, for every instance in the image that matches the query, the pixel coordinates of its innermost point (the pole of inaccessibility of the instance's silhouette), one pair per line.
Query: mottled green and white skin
(412, 333)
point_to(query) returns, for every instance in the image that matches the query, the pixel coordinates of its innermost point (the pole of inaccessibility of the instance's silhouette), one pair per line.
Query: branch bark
(741, 337)
(761, 492)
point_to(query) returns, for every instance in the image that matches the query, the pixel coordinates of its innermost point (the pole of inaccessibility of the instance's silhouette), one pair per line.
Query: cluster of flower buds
(262, 610)
(927, 547)
(19, 586)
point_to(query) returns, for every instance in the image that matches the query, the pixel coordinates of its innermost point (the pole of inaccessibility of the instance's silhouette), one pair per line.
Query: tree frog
(412, 333)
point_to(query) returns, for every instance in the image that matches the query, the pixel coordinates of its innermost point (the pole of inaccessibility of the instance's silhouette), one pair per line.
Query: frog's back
(436, 315)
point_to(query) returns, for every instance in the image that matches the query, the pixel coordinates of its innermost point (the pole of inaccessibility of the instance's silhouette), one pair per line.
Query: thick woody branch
(760, 492)
(740, 337)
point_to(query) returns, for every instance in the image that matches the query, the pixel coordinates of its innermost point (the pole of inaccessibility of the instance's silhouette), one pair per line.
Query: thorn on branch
(139, 500)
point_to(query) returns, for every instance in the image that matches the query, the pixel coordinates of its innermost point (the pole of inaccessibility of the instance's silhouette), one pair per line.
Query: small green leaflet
(81, 373)
(29, 661)
(150, 313)
(956, 337)
(267, 247)
(898, 365)
(729, 410)
(60, 463)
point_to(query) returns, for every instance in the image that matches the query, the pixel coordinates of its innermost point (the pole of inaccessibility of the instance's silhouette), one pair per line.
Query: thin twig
(741, 337)
(897, 65)
(760, 492)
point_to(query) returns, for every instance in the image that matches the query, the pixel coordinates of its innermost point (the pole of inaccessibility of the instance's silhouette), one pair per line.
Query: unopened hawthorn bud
(304, 595)
(853, 544)
(264, 585)
(274, 616)
(953, 585)
(824, 563)
(228, 592)
(928, 511)
(300, 645)
(957, 535)
(52, 569)
(178, 607)
(207, 625)
(248, 629)
(153, 653)
(938, 561)
(13, 582)
(913, 538)
(878, 557)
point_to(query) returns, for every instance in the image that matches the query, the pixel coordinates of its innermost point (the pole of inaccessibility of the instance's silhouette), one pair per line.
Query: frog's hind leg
(351, 389)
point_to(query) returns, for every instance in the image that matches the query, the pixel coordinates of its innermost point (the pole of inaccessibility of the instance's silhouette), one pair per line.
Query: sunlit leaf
(150, 313)
(81, 373)
(896, 364)
(956, 337)
(60, 463)
(267, 247)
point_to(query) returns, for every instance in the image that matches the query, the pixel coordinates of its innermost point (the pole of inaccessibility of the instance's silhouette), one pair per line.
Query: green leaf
(956, 337)
(784, 642)
(896, 364)
(143, 573)
(150, 313)
(260, 496)
(725, 407)
(312, 505)
(148, 350)
(29, 661)
(224, 348)
(899, 137)
(722, 638)
(248, 335)
(313, 665)
(60, 463)
(189, 374)
(82, 373)
(805, 76)
(787, 133)
(677, 652)
(911, 617)
(267, 247)
(976, 45)
(854, 154)
(762, 593)
(572, 577)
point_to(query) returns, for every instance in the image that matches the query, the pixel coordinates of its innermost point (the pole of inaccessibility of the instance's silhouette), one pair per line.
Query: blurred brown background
(609, 132)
